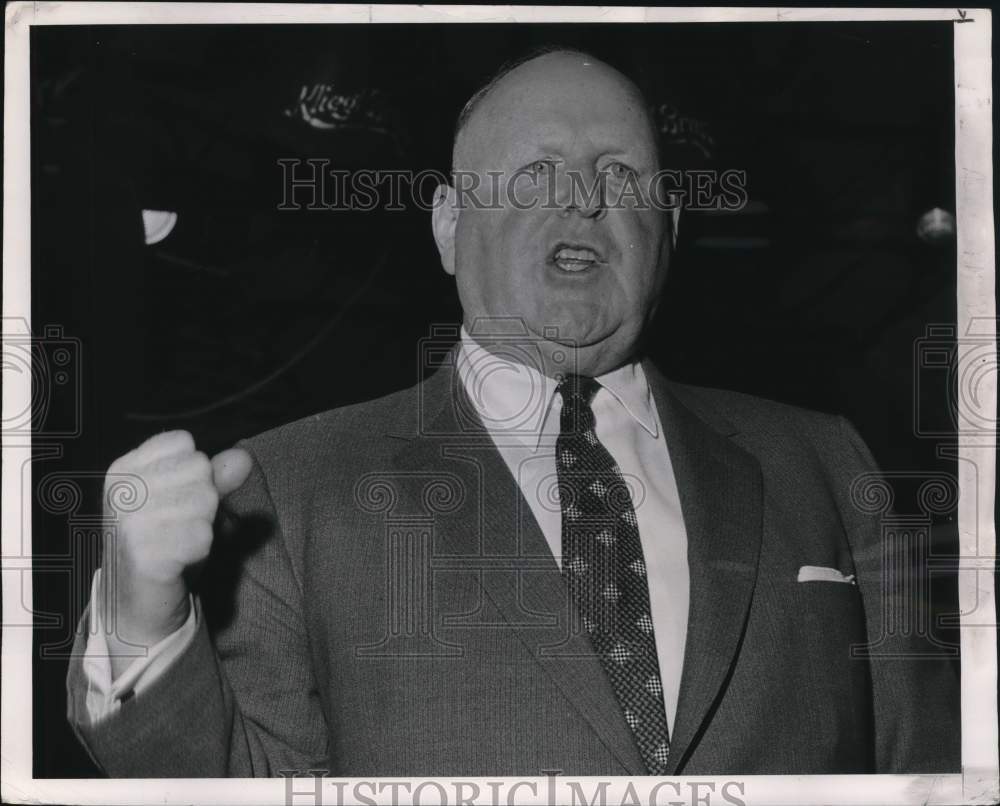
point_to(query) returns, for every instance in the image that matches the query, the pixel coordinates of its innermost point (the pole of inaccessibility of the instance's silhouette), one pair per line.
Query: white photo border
(979, 781)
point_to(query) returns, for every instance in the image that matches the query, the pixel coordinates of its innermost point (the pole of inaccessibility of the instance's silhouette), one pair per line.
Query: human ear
(444, 218)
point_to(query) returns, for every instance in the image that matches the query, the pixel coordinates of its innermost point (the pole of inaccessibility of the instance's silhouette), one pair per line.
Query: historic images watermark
(313, 184)
(314, 788)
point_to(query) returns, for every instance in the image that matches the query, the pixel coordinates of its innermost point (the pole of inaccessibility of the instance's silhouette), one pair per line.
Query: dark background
(820, 293)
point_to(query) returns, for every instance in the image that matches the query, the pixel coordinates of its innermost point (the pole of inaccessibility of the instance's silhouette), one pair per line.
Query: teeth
(569, 259)
(576, 254)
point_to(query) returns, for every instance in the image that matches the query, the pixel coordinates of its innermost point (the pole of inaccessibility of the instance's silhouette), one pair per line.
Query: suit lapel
(721, 501)
(527, 590)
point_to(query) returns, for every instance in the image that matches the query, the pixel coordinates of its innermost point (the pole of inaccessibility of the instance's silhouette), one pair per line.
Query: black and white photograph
(469, 404)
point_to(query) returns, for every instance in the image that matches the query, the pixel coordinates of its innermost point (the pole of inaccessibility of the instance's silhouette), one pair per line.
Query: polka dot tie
(603, 566)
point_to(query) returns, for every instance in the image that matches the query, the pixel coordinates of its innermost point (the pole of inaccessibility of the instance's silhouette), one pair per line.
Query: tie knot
(577, 392)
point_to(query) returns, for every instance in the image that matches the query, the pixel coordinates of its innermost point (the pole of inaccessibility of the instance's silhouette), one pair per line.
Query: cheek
(515, 234)
(475, 252)
(492, 255)
(642, 244)
(492, 234)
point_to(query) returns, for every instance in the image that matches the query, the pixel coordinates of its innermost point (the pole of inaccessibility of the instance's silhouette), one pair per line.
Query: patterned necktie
(604, 569)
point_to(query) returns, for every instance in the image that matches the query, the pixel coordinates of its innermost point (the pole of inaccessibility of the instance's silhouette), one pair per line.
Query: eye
(542, 167)
(619, 170)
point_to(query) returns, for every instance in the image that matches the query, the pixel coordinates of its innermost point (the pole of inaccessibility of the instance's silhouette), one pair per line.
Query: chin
(575, 325)
(573, 336)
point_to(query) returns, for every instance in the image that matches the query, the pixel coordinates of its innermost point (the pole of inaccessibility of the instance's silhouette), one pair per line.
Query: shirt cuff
(104, 695)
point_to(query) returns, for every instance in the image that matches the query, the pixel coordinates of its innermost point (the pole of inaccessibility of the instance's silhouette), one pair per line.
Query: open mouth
(575, 257)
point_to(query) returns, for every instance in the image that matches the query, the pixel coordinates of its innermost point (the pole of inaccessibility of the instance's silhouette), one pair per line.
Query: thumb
(230, 469)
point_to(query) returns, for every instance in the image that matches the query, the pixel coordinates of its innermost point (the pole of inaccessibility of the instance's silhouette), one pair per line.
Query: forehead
(560, 97)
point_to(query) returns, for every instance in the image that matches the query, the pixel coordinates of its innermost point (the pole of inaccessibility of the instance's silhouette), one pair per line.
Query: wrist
(142, 615)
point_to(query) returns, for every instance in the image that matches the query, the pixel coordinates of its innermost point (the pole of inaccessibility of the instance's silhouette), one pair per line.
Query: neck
(551, 358)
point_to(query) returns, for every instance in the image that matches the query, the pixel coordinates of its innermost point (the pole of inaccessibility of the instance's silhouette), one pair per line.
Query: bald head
(527, 86)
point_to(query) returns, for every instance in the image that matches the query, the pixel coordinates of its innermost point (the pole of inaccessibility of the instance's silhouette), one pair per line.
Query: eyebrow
(605, 150)
(548, 148)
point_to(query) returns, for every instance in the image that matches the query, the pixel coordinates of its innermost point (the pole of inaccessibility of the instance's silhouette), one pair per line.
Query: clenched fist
(154, 545)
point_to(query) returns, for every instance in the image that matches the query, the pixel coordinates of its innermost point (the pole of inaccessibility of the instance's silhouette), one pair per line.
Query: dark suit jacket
(383, 603)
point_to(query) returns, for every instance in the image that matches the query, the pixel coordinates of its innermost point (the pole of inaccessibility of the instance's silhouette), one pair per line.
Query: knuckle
(180, 440)
(201, 464)
(171, 441)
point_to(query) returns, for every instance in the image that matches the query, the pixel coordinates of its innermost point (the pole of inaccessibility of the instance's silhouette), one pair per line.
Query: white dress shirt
(520, 409)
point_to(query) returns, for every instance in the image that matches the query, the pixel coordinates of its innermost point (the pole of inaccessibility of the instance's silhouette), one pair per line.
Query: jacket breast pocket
(833, 638)
(832, 612)
(833, 644)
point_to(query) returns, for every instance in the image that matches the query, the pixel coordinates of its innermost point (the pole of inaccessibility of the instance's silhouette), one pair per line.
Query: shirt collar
(628, 385)
(514, 400)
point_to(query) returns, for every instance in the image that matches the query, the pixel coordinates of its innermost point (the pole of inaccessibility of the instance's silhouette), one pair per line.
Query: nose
(583, 192)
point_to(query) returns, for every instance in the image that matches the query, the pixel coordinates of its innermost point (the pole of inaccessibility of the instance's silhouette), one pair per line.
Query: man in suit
(543, 557)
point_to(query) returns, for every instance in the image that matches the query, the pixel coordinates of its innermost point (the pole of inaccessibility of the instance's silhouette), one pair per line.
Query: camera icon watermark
(958, 369)
(501, 352)
(45, 371)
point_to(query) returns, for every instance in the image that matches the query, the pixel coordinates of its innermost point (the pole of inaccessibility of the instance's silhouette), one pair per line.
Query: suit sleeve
(242, 699)
(915, 684)
(104, 695)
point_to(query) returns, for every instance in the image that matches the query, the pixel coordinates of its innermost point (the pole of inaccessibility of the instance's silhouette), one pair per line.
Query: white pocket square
(817, 573)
